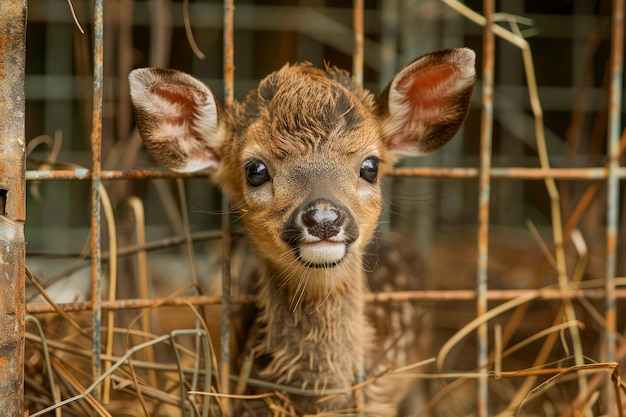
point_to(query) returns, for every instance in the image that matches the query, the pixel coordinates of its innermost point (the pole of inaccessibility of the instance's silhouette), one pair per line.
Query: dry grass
(532, 369)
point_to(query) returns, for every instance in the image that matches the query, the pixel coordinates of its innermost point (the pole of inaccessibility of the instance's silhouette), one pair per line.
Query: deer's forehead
(340, 145)
(310, 118)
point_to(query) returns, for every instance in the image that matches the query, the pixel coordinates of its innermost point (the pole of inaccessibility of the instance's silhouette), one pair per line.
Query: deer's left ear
(427, 101)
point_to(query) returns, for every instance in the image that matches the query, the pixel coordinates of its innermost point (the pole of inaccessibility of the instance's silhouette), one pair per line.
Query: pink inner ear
(426, 89)
(182, 99)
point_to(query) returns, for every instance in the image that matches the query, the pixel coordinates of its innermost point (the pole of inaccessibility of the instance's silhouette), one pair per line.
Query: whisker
(288, 273)
(301, 288)
(330, 290)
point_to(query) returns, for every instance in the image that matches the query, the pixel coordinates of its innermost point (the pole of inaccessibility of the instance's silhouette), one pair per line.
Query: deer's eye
(369, 170)
(256, 173)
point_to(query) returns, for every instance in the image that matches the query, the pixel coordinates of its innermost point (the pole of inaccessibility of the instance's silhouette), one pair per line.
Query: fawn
(301, 160)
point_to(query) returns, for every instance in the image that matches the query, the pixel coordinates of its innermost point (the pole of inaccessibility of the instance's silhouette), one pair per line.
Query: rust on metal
(229, 53)
(486, 134)
(129, 174)
(613, 152)
(96, 149)
(377, 298)
(13, 214)
(229, 78)
(588, 174)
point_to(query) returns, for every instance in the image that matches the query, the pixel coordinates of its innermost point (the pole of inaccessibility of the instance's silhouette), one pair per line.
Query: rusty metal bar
(613, 150)
(357, 71)
(129, 174)
(589, 174)
(379, 298)
(486, 137)
(229, 53)
(229, 77)
(357, 54)
(511, 173)
(96, 149)
(12, 205)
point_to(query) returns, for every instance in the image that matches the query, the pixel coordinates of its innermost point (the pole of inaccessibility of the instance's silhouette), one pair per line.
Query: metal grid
(612, 173)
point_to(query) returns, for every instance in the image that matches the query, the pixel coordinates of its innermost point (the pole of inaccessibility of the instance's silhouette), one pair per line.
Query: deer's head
(301, 157)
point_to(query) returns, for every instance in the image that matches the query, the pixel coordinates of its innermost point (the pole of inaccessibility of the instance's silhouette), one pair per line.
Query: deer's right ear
(178, 119)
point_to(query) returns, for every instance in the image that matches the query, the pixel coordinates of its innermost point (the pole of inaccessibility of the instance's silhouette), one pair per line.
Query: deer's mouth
(320, 232)
(322, 254)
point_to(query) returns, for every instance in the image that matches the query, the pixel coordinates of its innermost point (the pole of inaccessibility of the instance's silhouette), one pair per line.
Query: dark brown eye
(256, 173)
(369, 170)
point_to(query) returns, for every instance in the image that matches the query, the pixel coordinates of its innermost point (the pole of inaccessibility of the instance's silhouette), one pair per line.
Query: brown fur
(309, 221)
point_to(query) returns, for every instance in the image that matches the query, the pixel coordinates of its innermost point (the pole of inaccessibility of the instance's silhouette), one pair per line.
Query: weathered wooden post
(12, 205)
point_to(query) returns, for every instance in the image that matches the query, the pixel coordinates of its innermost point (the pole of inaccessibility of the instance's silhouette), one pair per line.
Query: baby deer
(301, 160)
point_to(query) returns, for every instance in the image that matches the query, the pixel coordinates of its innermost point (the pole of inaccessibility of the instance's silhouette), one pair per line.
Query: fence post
(12, 205)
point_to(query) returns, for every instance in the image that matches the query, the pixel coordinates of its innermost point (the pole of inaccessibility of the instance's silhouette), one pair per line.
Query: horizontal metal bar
(512, 173)
(85, 174)
(383, 297)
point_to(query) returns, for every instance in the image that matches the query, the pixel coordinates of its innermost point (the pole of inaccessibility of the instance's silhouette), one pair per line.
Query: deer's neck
(320, 335)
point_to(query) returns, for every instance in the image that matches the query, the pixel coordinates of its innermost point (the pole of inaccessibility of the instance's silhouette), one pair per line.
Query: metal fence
(497, 33)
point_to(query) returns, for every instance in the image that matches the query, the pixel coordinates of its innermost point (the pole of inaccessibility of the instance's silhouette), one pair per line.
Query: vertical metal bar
(357, 71)
(357, 55)
(12, 205)
(486, 132)
(229, 53)
(229, 76)
(96, 157)
(615, 109)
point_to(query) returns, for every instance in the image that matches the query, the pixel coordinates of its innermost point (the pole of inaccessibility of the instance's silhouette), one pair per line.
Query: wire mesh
(562, 292)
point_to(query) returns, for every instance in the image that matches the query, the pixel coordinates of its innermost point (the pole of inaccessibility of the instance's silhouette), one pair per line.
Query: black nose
(320, 218)
(323, 223)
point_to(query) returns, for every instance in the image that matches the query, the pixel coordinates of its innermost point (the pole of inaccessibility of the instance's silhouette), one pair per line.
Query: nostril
(338, 217)
(310, 217)
(320, 219)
